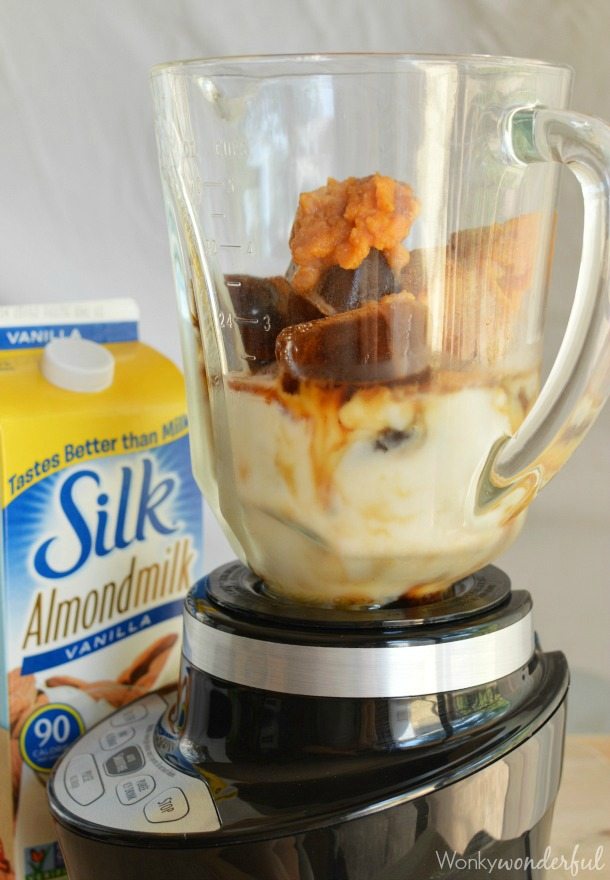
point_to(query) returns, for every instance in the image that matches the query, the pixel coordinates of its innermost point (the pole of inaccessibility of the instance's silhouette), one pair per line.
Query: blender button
(128, 760)
(169, 806)
(133, 790)
(115, 738)
(129, 715)
(82, 780)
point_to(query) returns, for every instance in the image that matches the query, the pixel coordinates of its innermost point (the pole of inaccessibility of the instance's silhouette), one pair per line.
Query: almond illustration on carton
(104, 689)
(22, 693)
(147, 666)
(135, 681)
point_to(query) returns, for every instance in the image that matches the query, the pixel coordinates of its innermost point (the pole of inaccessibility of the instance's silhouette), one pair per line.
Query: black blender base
(260, 769)
(367, 850)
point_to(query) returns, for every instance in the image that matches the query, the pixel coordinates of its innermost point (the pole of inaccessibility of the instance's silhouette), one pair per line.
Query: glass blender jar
(362, 249)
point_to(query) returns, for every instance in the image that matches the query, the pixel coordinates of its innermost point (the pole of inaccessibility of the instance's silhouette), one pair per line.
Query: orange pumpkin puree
(338, 224)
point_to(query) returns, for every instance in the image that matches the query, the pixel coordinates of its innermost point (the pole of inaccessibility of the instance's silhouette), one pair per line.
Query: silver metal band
(391, 671)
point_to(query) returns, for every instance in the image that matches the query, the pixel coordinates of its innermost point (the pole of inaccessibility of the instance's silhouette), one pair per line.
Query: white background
(81, 213)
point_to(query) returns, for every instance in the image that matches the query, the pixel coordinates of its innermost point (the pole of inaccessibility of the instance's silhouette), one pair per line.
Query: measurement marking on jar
(248, 357)
(246, 320)
(217, 214)
(212, 183)
(233, 283)
(230, 245)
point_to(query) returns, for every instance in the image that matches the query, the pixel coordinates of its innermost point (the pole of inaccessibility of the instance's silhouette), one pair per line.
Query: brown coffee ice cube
(262, 308)
(340, 290)
(381, 341)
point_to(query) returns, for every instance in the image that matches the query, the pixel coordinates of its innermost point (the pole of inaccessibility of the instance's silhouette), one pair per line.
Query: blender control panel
(114, 777)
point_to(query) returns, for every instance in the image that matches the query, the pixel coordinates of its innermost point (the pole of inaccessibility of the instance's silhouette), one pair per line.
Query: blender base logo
(95, 540)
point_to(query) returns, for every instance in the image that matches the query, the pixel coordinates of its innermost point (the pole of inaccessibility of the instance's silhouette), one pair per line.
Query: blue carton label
(99, 552)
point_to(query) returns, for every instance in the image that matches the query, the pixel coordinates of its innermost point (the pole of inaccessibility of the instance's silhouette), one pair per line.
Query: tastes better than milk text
(72, 453)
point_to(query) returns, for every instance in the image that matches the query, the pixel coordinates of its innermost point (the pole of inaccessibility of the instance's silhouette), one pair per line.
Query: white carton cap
(77, 364)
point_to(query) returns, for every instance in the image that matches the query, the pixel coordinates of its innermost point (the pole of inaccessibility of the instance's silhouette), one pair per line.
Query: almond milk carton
(100, 537)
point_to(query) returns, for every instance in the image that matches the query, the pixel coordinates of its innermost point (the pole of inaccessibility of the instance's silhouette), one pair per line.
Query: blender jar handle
(575, 390)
